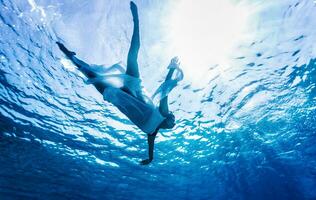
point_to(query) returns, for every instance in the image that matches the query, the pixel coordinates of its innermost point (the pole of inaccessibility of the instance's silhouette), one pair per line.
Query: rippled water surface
(246, 110)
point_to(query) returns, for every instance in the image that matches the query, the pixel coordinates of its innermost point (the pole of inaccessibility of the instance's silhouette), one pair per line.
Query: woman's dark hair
(169, 122)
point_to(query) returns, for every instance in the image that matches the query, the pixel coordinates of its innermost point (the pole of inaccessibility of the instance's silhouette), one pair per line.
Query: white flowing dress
(138, 107)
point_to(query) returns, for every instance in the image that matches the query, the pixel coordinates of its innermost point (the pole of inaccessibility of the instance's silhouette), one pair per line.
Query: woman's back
(144, 115)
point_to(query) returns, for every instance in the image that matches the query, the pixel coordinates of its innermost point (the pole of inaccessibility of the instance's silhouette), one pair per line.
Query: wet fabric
(138, 107)
(145, 116)
(167, 86)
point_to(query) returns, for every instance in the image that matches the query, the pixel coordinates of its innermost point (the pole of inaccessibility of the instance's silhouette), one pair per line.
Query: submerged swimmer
(128, 96)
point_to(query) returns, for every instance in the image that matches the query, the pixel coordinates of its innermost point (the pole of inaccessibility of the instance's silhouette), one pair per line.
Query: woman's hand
(151, 142)
(145, 162)
(174, 63)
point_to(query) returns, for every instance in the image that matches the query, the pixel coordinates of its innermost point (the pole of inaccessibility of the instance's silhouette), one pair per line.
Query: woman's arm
(163, 105)
(151, 142)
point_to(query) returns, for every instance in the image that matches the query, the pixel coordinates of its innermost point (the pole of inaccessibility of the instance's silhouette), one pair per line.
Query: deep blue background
(248, 134)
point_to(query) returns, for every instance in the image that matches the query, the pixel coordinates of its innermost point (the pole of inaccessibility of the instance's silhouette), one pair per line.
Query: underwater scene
(243, 106)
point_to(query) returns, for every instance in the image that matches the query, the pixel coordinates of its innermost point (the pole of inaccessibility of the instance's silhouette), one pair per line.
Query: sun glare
(202, 33)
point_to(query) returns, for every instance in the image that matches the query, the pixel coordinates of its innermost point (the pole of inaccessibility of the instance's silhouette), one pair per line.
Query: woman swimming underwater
(128, 96)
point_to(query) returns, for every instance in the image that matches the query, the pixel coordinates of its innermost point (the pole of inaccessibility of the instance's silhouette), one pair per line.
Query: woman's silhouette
(123, 89)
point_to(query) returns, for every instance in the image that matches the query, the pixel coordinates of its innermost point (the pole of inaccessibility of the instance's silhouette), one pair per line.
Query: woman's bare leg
(132, 65)
(82, 66)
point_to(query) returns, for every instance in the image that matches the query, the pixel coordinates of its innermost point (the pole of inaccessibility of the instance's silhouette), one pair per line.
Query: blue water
(247, 132)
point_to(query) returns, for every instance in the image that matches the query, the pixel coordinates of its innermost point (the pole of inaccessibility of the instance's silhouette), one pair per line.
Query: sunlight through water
(205, 33)
(245, 111)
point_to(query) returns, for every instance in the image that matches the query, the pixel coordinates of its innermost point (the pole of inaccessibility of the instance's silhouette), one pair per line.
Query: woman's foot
(68, 53)
(133, 8)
